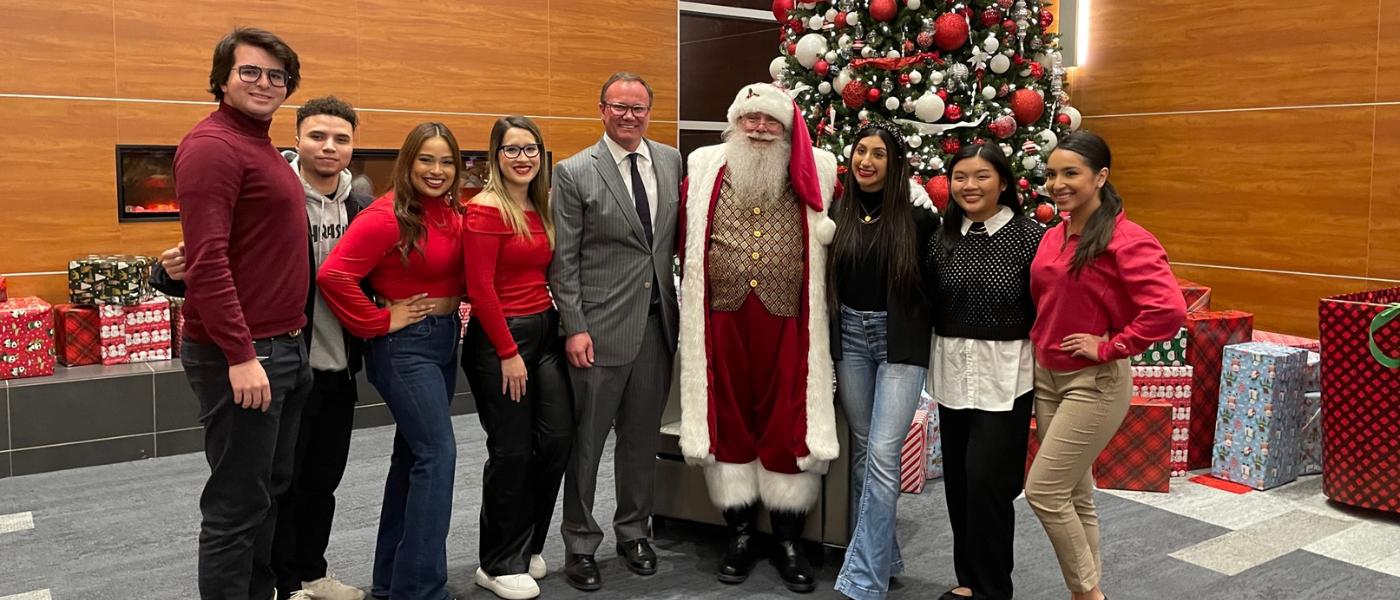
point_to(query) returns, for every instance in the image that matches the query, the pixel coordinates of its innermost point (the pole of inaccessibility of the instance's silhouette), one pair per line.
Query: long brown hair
(1098, 231)
(407, 208)
(539, 186)
(895, 234)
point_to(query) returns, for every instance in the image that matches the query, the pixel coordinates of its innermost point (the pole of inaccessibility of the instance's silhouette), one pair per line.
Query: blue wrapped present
(1259, 425)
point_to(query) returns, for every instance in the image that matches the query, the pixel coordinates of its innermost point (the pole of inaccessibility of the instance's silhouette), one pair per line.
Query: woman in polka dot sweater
(982, 368)
(881, 326)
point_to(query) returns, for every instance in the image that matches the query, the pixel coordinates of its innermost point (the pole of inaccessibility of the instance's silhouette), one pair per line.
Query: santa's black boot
(791, 558)
(738, 557)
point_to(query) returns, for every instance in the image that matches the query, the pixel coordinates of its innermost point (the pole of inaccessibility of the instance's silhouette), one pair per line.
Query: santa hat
(775, 102)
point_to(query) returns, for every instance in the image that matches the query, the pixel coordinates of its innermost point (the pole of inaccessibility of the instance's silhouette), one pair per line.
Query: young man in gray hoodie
(325, 142)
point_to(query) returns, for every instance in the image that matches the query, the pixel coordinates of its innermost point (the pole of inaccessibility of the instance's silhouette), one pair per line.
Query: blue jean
(880, 400)
(415, 370)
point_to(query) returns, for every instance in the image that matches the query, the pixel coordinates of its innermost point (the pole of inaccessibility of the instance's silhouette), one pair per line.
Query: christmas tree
(948, 72)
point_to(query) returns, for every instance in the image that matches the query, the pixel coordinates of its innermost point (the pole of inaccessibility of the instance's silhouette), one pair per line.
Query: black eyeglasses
(513, 152)
(252, 73)
(619, 109)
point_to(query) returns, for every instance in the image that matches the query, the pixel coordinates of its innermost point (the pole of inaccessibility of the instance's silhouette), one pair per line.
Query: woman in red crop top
(407, 247)
(1103, 291)
(514, 359)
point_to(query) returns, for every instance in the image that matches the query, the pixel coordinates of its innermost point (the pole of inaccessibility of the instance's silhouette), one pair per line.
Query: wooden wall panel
(1170, 55)
(1283, 190)
(1384, 232)
(61, 48)
(1388, 54)
(1281, 303)
(589, 41)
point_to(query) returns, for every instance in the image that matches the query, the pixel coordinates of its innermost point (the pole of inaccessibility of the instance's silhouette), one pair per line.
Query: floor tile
(1249, 547)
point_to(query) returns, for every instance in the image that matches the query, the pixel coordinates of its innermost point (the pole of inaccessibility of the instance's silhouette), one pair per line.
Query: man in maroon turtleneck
(247, 277)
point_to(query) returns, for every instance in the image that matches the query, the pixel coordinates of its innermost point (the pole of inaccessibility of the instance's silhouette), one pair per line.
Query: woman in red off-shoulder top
(514, 359)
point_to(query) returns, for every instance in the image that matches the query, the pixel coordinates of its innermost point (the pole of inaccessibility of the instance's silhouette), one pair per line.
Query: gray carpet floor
(128, 531)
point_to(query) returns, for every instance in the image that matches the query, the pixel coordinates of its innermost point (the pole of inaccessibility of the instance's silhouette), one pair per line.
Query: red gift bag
(1207, 335)
(26, 330)
(77, 339)
(1138, 458)
(1361, 398)
(911, 457)
(1197, 296)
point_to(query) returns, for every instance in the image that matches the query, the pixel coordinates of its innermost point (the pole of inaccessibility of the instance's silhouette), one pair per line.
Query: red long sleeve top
(370, 250)
(506, 273)
(243, 215)
(1128, 293)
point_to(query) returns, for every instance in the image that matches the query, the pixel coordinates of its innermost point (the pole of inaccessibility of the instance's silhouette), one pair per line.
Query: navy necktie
(639, 193)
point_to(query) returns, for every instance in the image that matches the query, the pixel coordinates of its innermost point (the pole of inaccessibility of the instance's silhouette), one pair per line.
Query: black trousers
(527, 442)
(305, 511)
(250, 454)
(984, 468)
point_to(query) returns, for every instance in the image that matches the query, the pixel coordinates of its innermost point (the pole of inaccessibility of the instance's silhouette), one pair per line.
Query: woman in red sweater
(407, 246)
(1103, 291)
(514, 359)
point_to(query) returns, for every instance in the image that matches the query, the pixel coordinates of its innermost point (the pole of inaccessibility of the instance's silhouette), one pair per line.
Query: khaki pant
(1076, 413)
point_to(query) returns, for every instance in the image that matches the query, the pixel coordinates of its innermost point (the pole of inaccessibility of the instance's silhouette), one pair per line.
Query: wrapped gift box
(77, 334)
(1138, 457)
(911, 457)
(1261, 415)
(147, 330)
(112, 331)
(1287, 340)
(1312, 380)
(1310, 442)
(933, 448)
(1171, 385)
(110, 279)
(1197, 296)
(26, 338)
(82, 280)
(1209, 333)
(1170, 353)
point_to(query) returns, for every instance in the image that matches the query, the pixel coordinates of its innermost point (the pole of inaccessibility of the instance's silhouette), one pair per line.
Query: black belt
(290, 335)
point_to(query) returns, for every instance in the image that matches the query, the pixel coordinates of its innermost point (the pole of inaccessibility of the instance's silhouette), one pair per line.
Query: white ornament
(892, 54)
(1046, 59)
(844, 42)
(935, 163)
(991, 44)
(908, 105)
(824, 87)
(1048, 140)
(915, 141)
(810, 49)
(847, 151)
(914, 4)
(1025, 72)
(1074, 117)
(1000, 63)
(816, 22)
(806, 5)
(1042, 94)
(831, 14)
(929, 108)
(842, 80)
(915, 76)
(935, 77)
(1006, 149)
(775, 68)
(891, 103)
(989, 92)
(863, 115)
(830, 56)
(852, 19)
(1028, 162)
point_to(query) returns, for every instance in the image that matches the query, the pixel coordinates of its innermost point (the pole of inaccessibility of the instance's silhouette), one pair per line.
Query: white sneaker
(329, 588)
(510, 587)
(301, 595)
(538, 569)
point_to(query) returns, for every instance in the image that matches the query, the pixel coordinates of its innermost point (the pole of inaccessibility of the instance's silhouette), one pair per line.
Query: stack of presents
(112, 317)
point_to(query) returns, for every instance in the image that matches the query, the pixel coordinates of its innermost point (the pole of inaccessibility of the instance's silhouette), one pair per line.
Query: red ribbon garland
(895, 64)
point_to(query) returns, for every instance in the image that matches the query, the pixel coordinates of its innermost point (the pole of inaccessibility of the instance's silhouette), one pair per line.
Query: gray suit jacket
(603, 271)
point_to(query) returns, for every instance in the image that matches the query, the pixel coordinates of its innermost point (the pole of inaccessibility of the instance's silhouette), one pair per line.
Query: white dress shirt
(644, 166)
(981, 374)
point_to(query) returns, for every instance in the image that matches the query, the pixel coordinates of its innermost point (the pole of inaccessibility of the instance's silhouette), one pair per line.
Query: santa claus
(756, 372)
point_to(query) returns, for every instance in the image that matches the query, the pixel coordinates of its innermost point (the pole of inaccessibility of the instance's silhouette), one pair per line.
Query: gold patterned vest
(757, 246)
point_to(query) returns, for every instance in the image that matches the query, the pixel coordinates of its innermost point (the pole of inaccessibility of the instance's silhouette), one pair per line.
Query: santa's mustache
(763, 137)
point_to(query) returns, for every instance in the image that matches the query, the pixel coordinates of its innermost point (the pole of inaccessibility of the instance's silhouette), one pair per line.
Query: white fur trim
(826, 231)
(821, 379)
(796, 493)
(731, 485)
(766, 98)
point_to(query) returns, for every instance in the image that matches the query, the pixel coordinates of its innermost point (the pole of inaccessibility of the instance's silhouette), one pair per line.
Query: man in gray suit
(615, 215)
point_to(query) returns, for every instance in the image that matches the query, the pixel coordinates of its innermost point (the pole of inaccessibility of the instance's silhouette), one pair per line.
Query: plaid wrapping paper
(77, 335)
(1172, 385)
(1138, 457)
(26, 338)
(1170, 353)
(112, 323)
(1197, 295)
(1287, 340)
(1261, 415)
(911, 457)
(1209, 333)
(147, 330)
(1310, 443)
(1360, 402)
(110, 279)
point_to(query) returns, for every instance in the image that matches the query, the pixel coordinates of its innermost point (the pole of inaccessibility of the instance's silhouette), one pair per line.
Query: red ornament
(797, 25)
(841, 169)
(1046, 18)
(883, 10)
(908, 47)
(1003, 91)
(942, 95)
(1037, 71)
(925, 39)
(937, 186)
(1019, 60)
(917, 179)
(792, 49)
(873, 95)
(1044, 213)
(904, 79)
(1009, 26)
(951, 145)
(1024, 183)
(841, 21)
(953, 112)
(854, 94)
(1063, 119)
(1003, 126)
(990, 17)
(965, 12)
(1005, 4)
(781, 8)
(950, 31)
(1027, 105)
(822, 68)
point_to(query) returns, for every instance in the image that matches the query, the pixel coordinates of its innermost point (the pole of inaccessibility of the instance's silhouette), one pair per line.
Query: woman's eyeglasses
(514, 152)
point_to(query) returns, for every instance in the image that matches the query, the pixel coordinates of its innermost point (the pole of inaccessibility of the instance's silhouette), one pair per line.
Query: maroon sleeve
(372, 235)
(208, 178)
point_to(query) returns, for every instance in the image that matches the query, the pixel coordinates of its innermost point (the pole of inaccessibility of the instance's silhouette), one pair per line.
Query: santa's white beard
(757, 171)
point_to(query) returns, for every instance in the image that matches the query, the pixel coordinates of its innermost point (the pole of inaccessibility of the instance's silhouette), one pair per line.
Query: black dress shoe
(581, 571)
(639, 556)
(791, 559)
(738, 556)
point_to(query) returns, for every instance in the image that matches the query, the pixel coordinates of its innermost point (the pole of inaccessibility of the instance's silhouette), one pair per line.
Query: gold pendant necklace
(869, 217)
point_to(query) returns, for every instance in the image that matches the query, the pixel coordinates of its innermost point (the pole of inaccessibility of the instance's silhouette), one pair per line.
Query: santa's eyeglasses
(761, 120)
